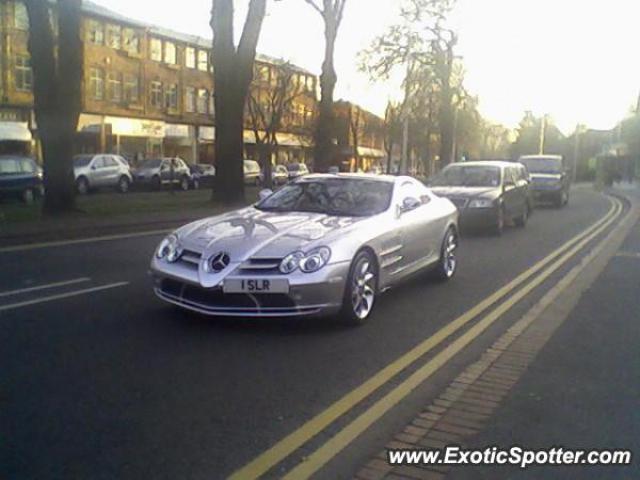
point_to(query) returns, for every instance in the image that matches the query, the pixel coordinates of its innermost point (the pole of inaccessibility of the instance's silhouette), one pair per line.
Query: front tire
(521, 221)
(498, 228)
(361, 289)
(28, 196)
(82, 185)
(184, 184)
(448, 263)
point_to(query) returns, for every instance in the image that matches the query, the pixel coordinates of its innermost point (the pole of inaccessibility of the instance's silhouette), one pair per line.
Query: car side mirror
(408, 204)
(265, 193)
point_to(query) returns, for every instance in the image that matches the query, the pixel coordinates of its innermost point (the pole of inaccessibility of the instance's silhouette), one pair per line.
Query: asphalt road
(112, 383)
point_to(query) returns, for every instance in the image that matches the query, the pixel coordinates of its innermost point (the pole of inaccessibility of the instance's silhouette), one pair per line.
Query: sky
(576, 60)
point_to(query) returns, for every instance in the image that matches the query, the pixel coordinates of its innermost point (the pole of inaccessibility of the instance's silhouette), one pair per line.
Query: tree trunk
(233, 72)
(324, 151)
(264, 153)
(57, 96)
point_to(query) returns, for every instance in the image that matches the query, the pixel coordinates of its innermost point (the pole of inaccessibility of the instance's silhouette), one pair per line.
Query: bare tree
(267, 109)
(393, 131)
(232, 76)
(57, 94)
(331, 12)
(355, 127)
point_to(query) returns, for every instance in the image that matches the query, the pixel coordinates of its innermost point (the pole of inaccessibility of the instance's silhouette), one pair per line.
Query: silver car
(156, 172)
(323, 244)
(101, 171)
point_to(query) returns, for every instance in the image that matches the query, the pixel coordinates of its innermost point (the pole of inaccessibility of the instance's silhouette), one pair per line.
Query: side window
(508, 176)
(98, 162)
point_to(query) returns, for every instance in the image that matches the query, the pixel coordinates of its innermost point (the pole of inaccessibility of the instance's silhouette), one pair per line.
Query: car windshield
(82, 160)
(343, 197)
(542, 165)
(153, 163)
(293, 167)
(467, 176)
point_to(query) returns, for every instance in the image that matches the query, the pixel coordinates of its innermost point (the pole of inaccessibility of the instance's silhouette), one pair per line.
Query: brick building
(360, 137)
(147, 91)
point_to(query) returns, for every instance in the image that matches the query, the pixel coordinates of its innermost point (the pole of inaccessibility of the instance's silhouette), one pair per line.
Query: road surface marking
(64, 243)
(349, 433)
(628, 254)
(283, 448)
(50, 298)
(43, 287)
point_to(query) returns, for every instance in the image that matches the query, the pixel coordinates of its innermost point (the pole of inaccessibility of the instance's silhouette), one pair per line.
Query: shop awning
(371, 152)
(284, 139)
(15, 132)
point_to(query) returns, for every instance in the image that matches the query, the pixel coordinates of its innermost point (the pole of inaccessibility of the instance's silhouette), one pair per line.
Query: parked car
(251, 172)
(297, 170)
(321, 245)
(102, 170)
(156, 173)
(488, 194)
(202, 175)
(20, 177)
(550, 179)
(279, 175)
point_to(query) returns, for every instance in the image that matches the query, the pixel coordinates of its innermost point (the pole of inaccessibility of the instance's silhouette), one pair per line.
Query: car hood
(250, 232)
(466, 192)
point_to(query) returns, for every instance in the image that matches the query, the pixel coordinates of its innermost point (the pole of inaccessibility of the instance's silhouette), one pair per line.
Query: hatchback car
(320, 245)
(101, 171)
(252, 172)
(20, 177)
(488, 194)
(279, 175)
(549, 178)
(297, 170)
(202, 175)
(159, 172)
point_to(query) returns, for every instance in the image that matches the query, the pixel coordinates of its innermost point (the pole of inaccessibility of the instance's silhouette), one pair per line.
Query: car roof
(485, 163)
(548, 157)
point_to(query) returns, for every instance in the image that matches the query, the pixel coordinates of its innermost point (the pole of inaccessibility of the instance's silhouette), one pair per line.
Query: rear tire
(361, 289)
(521, 221)
(156, 184)
(184, 184)
(123, 184)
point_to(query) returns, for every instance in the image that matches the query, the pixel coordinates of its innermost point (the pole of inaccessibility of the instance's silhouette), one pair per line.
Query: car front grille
(261, 266)
(190, 259)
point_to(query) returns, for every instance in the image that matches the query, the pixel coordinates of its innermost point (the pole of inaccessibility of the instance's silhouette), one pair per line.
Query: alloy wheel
(363, 288)
(449, 255)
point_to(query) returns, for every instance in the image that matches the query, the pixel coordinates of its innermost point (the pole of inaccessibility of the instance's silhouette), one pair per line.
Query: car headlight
(169, 249)
(481, 203)
(291, 262)
(307, 263)
(315, 260)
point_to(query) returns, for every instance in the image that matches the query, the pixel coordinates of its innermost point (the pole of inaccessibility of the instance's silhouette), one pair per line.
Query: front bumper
(472, 218)
(319, 294)
(546, 192)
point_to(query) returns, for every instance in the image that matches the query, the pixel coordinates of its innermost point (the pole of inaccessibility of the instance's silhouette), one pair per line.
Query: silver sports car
(323, 244)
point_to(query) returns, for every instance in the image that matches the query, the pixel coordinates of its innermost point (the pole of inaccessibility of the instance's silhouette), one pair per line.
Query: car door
(112, 170)
(165, 171)
(416, 222)
(510, 195)
(98, 171)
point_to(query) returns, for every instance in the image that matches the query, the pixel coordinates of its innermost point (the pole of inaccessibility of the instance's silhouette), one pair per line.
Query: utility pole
(404, 160)
(576, 149)
(543, 127)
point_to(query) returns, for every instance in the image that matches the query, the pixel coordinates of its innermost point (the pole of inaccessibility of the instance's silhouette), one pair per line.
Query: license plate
(255, 285)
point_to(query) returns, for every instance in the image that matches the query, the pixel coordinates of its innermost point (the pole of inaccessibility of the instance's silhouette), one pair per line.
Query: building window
(130, 40)
(132, 88)
(171, 97)
(190, 99)
(212, 104)
(169, 53)
(114, 87)
(156, 94)
(155, 49)
(96, 83)
(263, 73)
(95, 32)
(190, 57)
(20, 16)
(203, 101)
(310, 83)
(23, 73)
(203, 60)
(114, 36)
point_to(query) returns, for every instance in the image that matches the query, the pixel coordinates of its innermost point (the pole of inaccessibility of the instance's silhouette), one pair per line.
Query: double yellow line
(283, 448)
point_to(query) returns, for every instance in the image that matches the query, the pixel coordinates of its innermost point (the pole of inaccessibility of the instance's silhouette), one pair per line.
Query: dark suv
(487, 194)
(549, 178)
(20, 177)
